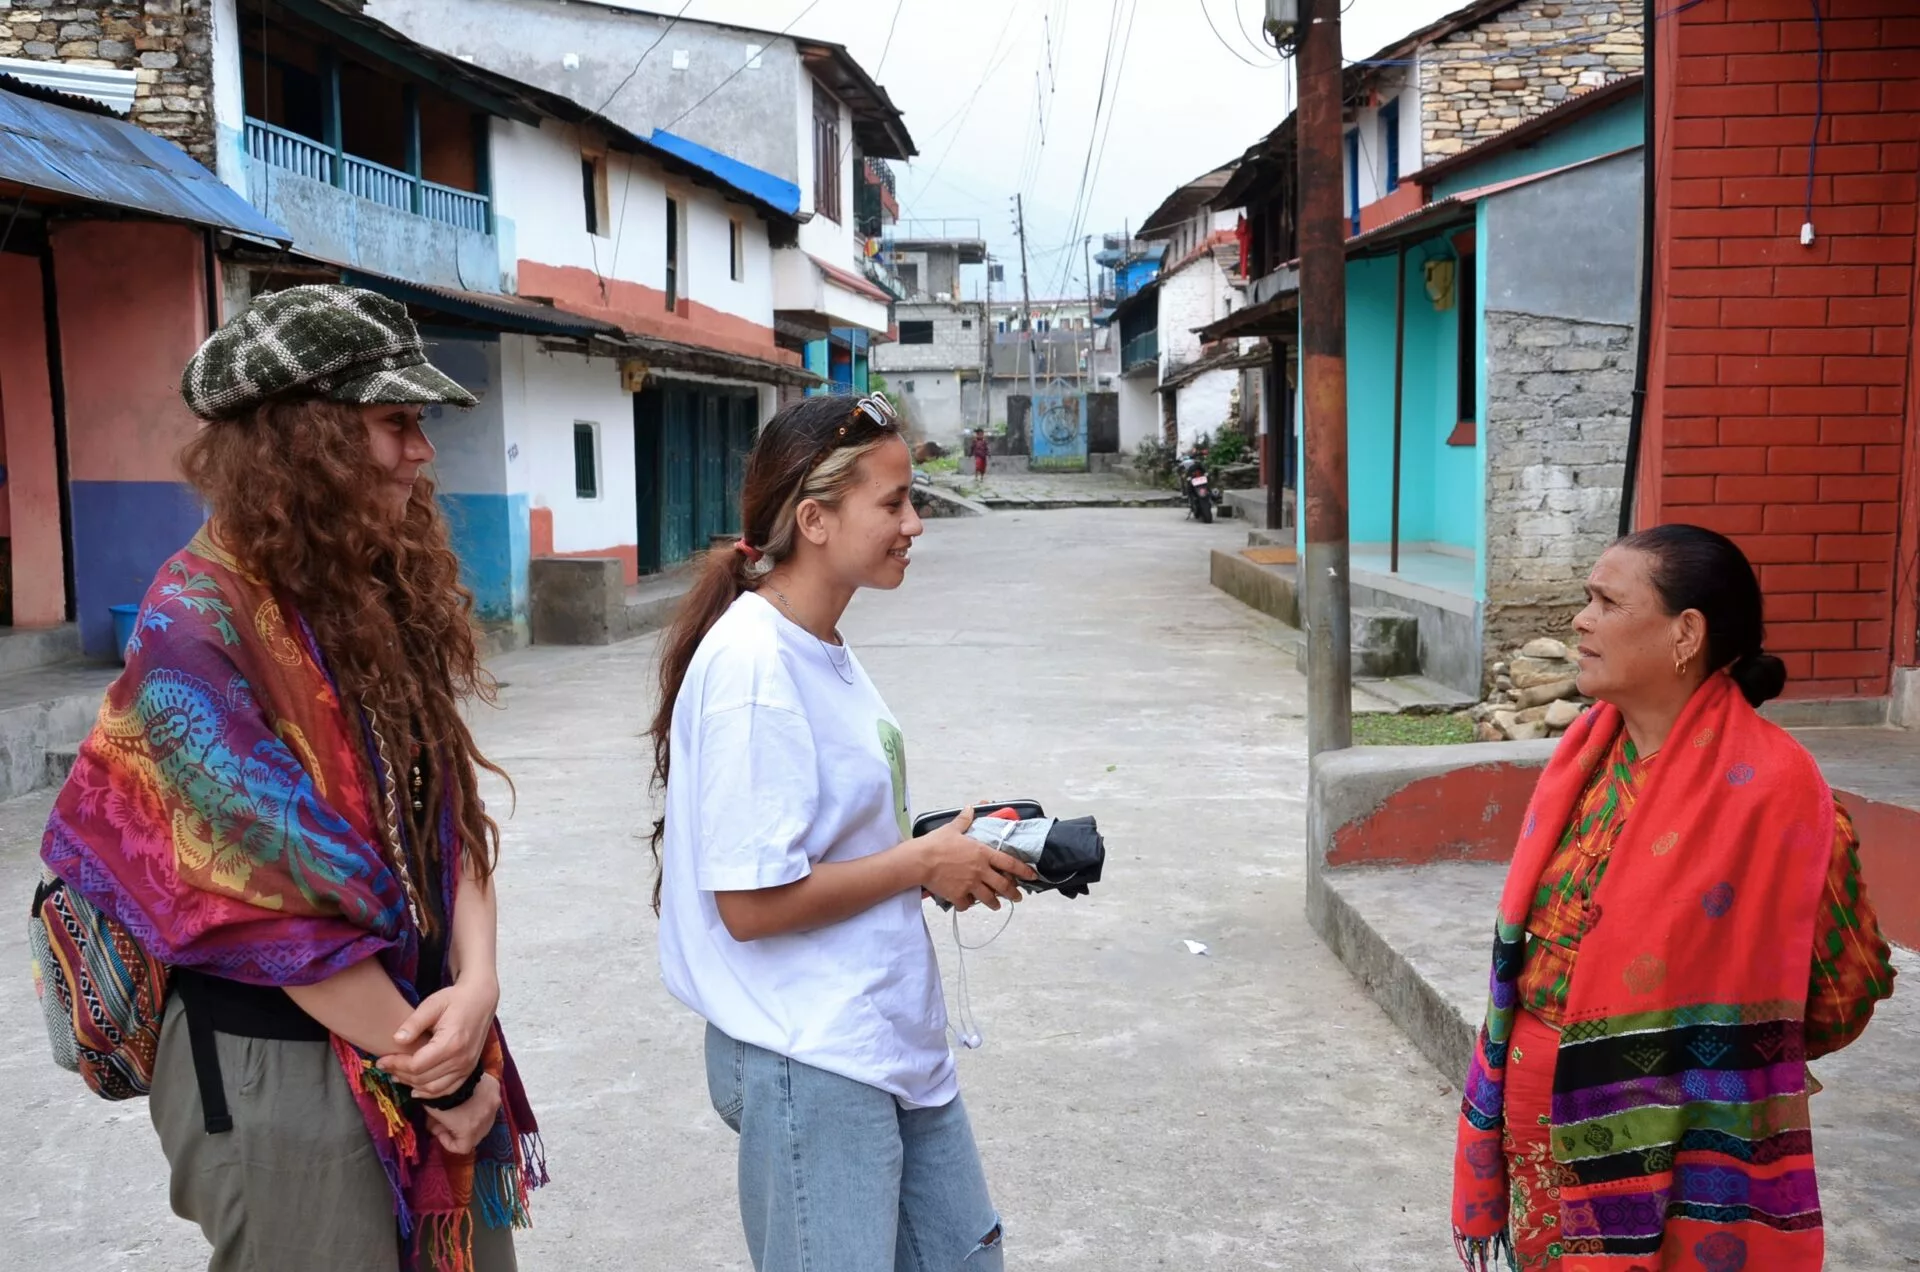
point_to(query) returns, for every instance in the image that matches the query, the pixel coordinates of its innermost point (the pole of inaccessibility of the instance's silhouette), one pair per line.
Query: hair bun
(1760, 676)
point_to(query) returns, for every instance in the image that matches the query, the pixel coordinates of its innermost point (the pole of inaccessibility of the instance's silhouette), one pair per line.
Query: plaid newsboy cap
(328, 341)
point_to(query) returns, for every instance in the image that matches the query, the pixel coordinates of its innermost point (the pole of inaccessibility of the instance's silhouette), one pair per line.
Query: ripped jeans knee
(988, 1256)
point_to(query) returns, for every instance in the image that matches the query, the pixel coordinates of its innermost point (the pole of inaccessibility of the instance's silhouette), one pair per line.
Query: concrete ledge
(652, 604)
(576, 600)
(22, 648)
(29, 731)
(936, 501)
(1261, 587)
(1903, 705)
(1412, 938)
(1826, 713)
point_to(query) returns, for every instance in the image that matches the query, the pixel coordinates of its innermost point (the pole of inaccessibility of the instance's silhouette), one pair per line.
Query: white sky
(964, 76)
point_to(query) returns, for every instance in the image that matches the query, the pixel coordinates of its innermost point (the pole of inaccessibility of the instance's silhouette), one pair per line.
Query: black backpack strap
(206, 1056)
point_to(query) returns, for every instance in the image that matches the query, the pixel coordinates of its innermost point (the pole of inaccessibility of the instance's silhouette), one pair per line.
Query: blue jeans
(836, 1177)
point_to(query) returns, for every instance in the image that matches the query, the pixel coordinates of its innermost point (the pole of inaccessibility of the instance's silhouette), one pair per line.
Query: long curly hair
(295, 495)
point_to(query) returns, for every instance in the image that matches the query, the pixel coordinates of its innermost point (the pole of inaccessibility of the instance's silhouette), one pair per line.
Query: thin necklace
(841, 668)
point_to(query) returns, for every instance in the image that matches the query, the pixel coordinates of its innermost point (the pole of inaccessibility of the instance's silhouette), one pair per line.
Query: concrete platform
(42, 708)
(1418, 940)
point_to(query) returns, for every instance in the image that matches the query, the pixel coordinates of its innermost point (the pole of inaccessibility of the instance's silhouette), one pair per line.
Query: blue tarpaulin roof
(757, 182)
(83, 154)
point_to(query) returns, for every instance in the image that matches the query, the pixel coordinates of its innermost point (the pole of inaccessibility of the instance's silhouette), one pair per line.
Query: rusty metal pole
(1325, 602)
(1399, 391)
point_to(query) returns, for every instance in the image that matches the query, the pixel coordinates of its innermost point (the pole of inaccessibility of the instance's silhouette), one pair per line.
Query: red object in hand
(1005, 814)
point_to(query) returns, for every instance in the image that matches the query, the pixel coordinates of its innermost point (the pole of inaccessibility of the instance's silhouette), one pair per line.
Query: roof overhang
(1183, 202)
(809, 292)
(1272, 309)
(58, 149)
(104, 85)
(877, 124)
(485, 310)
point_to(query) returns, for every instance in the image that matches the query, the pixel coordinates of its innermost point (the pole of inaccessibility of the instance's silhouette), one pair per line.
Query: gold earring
(1680, 666)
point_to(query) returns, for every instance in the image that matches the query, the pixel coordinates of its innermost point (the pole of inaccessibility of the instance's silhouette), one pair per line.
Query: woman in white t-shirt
(790, 890)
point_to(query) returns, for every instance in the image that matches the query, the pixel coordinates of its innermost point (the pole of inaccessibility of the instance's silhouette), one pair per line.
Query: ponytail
(722, 578)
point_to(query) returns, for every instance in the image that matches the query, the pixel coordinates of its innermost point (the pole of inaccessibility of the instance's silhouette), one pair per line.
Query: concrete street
(1139, 1106)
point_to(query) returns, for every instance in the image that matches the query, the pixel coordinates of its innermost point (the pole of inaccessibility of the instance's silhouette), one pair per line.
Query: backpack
(103, 995)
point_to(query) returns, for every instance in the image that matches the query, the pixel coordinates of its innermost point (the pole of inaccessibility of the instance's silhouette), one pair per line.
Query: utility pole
(1026, 315)
(986, 352)
(1087, 382)
(1326, 603)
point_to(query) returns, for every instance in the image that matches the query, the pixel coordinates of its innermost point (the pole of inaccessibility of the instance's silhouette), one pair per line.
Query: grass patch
(944, 464)
(1411, 730)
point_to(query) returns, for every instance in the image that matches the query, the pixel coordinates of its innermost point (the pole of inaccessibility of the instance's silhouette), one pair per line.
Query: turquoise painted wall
(1442, 487)
(1618, 127)
(816, 360)
(1438, 502)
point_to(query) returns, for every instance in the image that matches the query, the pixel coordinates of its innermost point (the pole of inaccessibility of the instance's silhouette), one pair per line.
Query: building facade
(791, 120)
(936, 366)
(1781, 394)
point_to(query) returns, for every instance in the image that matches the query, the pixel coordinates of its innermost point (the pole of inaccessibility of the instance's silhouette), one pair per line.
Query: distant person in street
(982, 451)
(281, 802)
(789, 888)
(1683, 928)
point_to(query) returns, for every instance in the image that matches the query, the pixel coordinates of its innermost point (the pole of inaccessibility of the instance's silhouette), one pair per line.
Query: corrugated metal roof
(493, 309)
(97, 159)
(104, 85)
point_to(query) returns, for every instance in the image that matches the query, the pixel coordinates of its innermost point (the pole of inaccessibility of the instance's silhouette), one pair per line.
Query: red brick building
(1783, 401)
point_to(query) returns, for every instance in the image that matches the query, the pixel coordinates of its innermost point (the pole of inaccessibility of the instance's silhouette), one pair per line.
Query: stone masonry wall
(166, 43)
(1560, 394)
(1528, 59)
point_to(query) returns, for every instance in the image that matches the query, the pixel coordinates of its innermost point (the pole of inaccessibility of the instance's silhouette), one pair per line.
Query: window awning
(65, 149)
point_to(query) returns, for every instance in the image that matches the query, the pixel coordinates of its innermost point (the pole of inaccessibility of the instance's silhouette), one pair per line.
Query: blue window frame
(1353, 177)
(1390, 135)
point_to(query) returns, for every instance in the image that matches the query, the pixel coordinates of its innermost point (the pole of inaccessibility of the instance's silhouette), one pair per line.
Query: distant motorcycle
(1194, 484)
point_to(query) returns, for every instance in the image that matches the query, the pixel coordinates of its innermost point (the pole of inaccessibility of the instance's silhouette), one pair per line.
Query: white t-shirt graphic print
(779, 763)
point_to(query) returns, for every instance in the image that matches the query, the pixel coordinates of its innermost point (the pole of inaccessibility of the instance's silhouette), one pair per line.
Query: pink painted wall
(26, 414)
(132, 311)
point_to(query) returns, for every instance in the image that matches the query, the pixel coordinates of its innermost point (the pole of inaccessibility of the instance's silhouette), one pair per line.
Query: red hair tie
(748, 551)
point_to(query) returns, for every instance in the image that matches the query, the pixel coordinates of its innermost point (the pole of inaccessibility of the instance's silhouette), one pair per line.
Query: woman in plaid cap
(281, 804)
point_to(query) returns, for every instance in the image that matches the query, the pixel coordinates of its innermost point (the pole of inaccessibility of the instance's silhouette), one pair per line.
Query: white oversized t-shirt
(778, 762)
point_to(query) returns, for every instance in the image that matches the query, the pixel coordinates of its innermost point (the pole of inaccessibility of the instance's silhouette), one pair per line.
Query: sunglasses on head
(877, 410)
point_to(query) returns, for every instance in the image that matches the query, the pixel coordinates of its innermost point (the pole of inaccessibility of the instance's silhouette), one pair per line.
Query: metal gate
(1058, 431)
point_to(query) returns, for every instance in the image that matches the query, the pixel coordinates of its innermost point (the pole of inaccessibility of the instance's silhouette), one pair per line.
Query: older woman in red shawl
(1683, 928)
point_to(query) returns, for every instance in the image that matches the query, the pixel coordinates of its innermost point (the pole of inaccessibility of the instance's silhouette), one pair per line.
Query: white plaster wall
(537, 184)
(1139, 411)
(555, 390)
(831, 241)
(1373, 151)
(1204, 404)
(229, 98)
(469, 445)
(1193, 296)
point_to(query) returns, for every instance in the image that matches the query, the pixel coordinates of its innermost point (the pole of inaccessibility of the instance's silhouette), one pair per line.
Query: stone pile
(1533, 695)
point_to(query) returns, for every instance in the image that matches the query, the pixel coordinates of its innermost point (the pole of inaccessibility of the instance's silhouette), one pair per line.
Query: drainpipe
(1644, 357)
(1399, 392)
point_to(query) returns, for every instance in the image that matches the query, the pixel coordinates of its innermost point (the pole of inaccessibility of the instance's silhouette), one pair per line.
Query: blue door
(1059, 432)
(678, 438)
(740, 430)
(715, 413)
